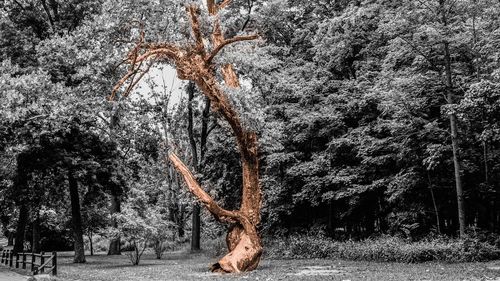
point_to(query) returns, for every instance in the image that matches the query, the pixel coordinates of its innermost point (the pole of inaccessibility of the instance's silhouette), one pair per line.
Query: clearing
(182, 266)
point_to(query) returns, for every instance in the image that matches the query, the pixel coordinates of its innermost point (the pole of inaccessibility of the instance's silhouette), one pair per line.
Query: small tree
(134, 229)
(141, 224)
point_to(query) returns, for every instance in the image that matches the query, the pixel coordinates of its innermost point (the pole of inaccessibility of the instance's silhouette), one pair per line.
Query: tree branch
(134, 83)
(195, 27)
(195, 188)
(250, 6)
(223, 4)
(19, 4)
(213, 8)
(47, 11)
(168, 51)
(229, 41)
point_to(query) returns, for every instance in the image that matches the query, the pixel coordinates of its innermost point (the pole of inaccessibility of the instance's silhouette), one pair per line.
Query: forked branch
(195, 27)
(213, 8)
(226, 42)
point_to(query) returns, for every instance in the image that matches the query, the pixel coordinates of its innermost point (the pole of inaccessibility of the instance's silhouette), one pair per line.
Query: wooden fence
(38, 263)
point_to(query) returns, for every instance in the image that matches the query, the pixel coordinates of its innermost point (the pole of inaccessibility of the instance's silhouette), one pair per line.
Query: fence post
(33, 262)
(17, 260)
(54, 263)
(24, 260)
(42, 261)
(11, 258)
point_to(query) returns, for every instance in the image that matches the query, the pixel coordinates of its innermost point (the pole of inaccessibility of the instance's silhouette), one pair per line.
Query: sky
(163, 79)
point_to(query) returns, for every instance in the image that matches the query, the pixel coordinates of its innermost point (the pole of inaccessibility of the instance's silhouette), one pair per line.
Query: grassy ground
(181, 266)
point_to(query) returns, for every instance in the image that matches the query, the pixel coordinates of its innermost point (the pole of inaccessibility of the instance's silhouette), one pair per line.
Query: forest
(282, 128)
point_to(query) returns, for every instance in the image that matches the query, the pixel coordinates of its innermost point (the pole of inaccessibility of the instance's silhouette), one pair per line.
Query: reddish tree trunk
(194, 63)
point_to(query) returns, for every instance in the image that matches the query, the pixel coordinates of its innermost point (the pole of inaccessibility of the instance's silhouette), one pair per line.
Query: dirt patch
(318, 271)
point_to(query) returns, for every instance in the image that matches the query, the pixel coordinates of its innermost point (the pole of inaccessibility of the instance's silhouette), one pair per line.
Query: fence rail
(39, 263)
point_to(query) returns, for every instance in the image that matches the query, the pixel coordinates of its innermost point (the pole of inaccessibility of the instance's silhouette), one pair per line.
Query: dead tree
(195, 63)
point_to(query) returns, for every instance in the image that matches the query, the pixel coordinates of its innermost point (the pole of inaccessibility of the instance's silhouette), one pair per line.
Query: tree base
(245, 252)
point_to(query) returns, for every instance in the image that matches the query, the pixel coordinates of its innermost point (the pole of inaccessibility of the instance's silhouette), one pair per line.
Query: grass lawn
(182, 266)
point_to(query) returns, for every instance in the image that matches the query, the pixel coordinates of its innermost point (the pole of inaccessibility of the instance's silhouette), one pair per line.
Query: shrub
(385, 248)
(215, 247)
(160, 246)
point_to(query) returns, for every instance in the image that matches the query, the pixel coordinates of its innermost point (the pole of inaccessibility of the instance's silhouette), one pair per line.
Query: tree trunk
(115, 244)
(35, 245)
(436, 210)
(195, 63)
(453, 128)
(21, 227)
(204, 131)
(195, 215)
(243, 241)
(180, 224)
(330, 227)
(76, 219)
(196, 222)
(91, 243)
(10, 238)
(196, 228)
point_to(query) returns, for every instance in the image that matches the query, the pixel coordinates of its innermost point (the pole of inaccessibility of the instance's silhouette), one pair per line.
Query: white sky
(163, 79)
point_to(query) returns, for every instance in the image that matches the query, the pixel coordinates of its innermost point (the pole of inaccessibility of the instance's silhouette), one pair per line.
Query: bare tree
(195, 63)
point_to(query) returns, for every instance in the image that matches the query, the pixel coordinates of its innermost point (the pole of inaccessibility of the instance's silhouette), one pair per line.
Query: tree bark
(76, 219)
(91, 243)
(21, 227)
(204, 131)
(35, 246)
(436, 210)
(243, 241)
(196, 227)
(195, 215)
(194, 63)
(453, 128)
(10, 238)
(115, 244)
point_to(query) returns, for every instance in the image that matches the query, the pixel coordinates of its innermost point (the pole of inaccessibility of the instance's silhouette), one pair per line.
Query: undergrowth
(385, 248)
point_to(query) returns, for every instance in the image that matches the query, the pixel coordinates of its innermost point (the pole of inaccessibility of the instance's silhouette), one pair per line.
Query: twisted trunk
(243, 241)
(195, 63)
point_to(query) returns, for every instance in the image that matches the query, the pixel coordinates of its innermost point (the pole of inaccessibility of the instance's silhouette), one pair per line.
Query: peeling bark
(195, 63)
(243, 241)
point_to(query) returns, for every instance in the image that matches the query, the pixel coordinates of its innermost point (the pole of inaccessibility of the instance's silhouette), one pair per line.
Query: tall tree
(195, 222)
(195, 63)
(444, 10)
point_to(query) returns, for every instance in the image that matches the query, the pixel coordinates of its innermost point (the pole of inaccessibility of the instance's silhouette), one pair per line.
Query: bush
(161, 246)
(99, 243)
(385, 248)
(215, 247)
